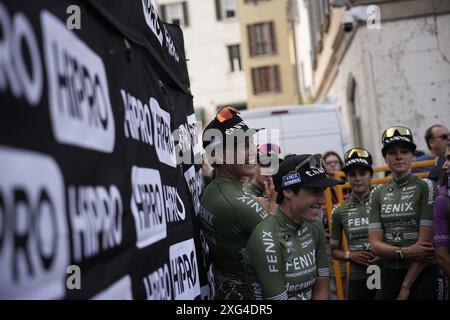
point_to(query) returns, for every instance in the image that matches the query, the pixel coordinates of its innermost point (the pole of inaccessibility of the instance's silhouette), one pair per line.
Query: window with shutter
(176, 13)
(262, 39)
(266, 80)
(234, 56)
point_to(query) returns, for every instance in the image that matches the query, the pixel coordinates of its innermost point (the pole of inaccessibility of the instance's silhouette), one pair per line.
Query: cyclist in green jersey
(400, 225)
(227, 214)
(352, 218)
(286, 252)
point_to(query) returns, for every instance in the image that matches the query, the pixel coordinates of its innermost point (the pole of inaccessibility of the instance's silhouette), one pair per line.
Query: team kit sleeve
(427, 197)
(250, 215)
(323, 269)
(265, 257)
(336, 227)
(374, 210)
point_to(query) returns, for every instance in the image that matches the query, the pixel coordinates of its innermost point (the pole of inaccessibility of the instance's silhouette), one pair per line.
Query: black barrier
(93, 202)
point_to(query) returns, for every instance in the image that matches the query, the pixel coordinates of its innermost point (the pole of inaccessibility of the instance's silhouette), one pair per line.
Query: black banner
(94, 202)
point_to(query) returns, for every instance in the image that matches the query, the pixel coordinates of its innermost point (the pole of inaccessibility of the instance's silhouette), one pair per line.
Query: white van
(301, 128)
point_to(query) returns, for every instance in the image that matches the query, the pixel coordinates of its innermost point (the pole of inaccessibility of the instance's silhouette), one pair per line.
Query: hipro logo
(78, 92)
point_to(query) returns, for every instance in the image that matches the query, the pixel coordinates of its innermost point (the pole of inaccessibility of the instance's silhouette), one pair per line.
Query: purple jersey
(441, 236)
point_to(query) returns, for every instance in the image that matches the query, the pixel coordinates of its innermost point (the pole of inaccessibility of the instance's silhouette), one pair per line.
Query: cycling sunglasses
(226, 113)
(389, 133)
(356, 152)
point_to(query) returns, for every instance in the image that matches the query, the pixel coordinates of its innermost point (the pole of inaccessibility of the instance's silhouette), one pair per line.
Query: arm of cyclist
(320, 290)
(428, 196)
(425, 234)
(360, 257)
(419, 251)
(267, 264)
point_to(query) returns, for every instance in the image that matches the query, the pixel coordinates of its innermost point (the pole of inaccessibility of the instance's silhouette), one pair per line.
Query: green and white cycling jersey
(228, 217)
(352, 218)
(250, 188)
(400, 208)
(286, 258)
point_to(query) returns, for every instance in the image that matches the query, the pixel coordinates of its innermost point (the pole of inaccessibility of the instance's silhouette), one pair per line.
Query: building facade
(213, 48)
(269, 52)
(392, 67)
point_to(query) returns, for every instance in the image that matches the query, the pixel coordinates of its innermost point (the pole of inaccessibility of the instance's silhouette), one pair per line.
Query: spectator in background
(333, 164)
(436, 138)
(441, 219)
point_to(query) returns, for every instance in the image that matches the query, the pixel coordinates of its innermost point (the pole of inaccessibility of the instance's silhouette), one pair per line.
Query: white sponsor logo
(151, 18)
(397, 207)
(358, 222)
(147, 206)
(158, 284)
(17, 38)
(174, 206)
(291, 179)
(34, 247)
(430, 191)
(137, 121)
(357, 160)
(96, 217)
(192, 125)
(119, 290)
(269, 248)
(183, 264)
(315, 172)
(80, 108)
(302, 262)
(164, 143)
(194, 180)
(397, 138)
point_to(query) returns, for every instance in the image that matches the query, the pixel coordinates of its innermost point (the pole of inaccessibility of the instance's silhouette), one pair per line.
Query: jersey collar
(358, 201)
(405, 180)
(287, 222)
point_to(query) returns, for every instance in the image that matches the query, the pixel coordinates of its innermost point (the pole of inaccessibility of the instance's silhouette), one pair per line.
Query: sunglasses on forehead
(226, 113)
(356, 152)
(399, 131)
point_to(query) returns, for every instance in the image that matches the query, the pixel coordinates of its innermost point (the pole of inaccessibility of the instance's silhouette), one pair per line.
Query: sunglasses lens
(389, 133)
(316, 161)
(226, 113)
(356, 153)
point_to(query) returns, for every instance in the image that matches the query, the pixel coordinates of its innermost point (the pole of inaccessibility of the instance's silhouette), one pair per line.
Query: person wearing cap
(261, 183)
(227, 214)
(400, 225)
(352, 218)
(286, 253)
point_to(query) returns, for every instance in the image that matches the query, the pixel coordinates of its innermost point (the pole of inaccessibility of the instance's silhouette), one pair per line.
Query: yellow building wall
(265, 11)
